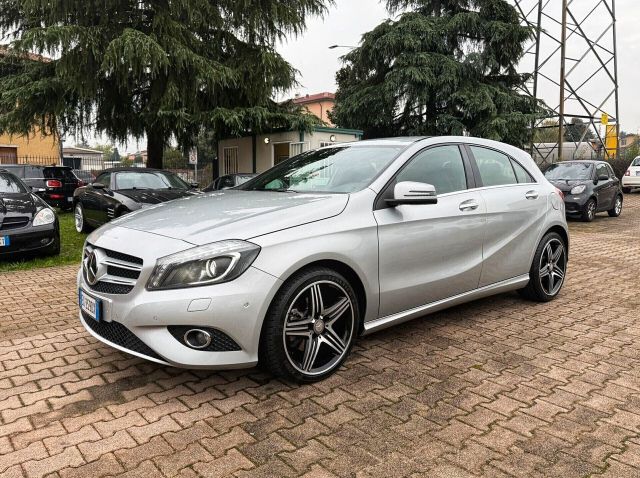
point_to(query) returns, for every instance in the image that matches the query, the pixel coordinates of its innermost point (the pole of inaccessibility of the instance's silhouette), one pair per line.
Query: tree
(547, 132)
(440, 67)
(577, 131)
(157, 68)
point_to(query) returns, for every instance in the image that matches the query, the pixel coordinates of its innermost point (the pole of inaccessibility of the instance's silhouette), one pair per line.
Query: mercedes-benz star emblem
(94, 267)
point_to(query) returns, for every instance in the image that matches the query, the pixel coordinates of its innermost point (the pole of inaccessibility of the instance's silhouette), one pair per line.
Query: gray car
(347, 240)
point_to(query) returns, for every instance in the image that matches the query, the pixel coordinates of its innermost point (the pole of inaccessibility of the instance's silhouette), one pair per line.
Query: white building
(255, 154)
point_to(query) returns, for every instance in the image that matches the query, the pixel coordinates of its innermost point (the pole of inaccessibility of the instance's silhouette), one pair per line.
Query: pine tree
(158, 68)
(439, 67)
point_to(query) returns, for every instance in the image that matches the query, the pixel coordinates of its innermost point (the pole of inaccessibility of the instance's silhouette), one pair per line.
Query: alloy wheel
(319, 327)
(618, 206)
(553, 265)
(591, 211)
(79, 218)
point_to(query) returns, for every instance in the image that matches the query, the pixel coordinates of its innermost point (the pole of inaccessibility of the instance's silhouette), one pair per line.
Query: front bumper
(137, 322)
(29, 239)
(574, 204)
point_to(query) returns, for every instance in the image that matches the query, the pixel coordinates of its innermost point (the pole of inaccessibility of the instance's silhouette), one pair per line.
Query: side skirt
(486, 291)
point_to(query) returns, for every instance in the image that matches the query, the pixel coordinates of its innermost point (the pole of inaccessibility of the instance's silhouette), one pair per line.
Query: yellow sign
(611, 140)
(605, 119)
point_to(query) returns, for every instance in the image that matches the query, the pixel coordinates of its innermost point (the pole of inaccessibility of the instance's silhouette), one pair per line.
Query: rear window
(17, 170)
(9, 184)
(32, 172)
(636, 162)
(59, 173)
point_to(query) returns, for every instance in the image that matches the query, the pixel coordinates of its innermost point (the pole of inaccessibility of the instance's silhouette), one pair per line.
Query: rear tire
(548, 270)
(589, 210)
(616, 210)
(80, 219)
(310, 327)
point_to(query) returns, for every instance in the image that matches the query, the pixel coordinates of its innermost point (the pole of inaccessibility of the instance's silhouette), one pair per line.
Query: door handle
(470, 205)
(532, 195)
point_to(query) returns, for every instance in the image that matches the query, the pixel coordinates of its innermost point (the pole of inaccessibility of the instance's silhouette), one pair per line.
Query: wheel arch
(349, 274)
(563, 233)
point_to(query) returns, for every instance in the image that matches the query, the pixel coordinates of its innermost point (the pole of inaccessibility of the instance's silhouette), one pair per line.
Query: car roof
(582, 161)
(399, 141)
(43, 166)
(124, 169)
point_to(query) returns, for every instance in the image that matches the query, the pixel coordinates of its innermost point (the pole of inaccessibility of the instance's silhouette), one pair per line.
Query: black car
(118, 191)
(589, 187)
(84, 177)
(54, 184)
(229, 181)
(27, 223)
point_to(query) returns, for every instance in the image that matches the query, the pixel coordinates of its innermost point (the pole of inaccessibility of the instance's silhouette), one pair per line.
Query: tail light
(628, 173)
(560, 193)
(56, 196)
(53, 183)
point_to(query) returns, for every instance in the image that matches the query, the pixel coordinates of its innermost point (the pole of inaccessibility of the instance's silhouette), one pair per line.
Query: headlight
(578, 189)
(203, 265)
(43, 217)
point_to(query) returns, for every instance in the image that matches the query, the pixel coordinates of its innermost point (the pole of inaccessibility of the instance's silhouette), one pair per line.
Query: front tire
(548, 271)
(79, 219)
(589, 210)
(310, 327)
(616, 210)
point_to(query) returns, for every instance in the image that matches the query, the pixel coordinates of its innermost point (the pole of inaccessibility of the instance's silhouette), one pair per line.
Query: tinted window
(569, 170)
(521, 174)
(495, 168)
(9, 184)
(341, 169)
(148, 180)
(601, 170)
(17, 170)
(441, 166)
(32, 172)
(59, 173)
(104, 178)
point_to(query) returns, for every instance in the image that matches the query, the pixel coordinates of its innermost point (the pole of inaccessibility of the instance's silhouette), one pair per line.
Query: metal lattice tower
(573, 58)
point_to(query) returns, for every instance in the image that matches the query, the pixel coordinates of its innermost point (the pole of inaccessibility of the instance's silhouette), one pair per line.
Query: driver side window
(601, 170)
(441, 166)
(104, 178)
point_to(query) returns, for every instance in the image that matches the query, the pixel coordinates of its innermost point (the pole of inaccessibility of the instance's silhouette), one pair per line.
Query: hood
(233, 214)
(566, 185)
(17, 204)
(155, 196)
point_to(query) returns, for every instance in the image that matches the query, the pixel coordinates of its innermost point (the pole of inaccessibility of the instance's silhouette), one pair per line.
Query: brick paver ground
(499, 387)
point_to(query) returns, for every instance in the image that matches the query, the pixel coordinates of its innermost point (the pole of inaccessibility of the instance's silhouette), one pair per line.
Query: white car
(631, 178)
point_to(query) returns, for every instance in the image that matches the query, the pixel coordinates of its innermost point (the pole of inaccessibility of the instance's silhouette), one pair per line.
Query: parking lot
(498, 387)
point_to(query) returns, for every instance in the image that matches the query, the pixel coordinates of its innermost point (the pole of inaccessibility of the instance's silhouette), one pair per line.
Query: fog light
(44, 241)
(197, 339)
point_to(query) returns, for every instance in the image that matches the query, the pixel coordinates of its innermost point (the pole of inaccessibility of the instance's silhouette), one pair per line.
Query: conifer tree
(156, 68)
(439, 67)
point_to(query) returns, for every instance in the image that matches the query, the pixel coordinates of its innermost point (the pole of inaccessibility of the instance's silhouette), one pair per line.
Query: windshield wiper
(281, 190)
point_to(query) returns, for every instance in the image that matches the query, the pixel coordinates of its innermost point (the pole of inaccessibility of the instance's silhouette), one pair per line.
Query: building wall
(321, 109)
(265, 151)
(47, 148)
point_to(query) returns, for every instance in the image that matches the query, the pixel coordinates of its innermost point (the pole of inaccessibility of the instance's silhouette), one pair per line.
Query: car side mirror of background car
(410, 192)
(194, 185)
(98, 186)
(603, 177)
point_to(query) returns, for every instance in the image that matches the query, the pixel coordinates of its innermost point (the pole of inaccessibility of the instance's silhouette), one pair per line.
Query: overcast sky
(349, 19)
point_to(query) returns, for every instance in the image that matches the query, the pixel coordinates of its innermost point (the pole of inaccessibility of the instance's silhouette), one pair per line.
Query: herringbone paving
(498, 387)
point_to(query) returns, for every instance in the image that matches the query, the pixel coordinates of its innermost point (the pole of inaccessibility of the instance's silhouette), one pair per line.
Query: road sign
(193, 156)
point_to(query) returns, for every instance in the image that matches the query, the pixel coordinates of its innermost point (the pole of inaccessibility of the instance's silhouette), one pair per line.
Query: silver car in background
(291, 267)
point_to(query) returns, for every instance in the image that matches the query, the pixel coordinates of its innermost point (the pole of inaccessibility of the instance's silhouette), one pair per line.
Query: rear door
(515, 214)
(433, 251)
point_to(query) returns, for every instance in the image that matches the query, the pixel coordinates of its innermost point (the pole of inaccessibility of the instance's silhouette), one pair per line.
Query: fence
(201, 174)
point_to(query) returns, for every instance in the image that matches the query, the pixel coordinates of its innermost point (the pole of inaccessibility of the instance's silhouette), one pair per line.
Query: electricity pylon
(573, 57)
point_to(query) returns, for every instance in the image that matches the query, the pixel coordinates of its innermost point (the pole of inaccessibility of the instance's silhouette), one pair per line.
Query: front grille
(220, 342)
(117, 273)
(118, 334)
(13, 222)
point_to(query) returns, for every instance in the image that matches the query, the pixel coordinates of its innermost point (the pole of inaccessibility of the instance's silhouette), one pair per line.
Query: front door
(434, 251)
(605, 188)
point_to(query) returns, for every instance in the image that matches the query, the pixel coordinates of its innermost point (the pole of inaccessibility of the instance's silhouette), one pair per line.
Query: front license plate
(89, 305)
(5, 241)
(69, 199)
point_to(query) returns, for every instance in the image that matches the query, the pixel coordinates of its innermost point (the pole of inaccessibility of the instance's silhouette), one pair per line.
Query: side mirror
(603, 177)
(98, 186)
(194, 185)
(409, 192)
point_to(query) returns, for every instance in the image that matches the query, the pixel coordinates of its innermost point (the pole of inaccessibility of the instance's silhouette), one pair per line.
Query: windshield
(572, 171)
(636, 162)
(343, 169)
(9, 184)
(149, 180)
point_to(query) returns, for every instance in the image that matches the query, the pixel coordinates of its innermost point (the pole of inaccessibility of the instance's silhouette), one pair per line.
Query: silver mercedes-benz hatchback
(289, 268)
